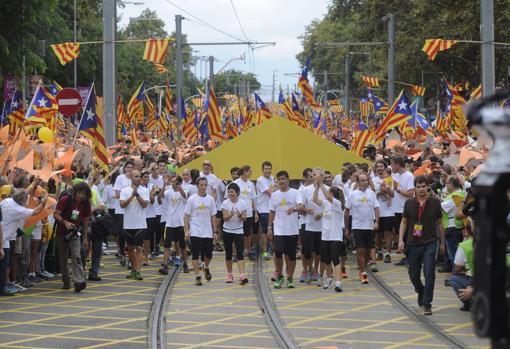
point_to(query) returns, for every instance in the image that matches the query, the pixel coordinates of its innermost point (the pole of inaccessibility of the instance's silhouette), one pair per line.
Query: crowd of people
(146, 209)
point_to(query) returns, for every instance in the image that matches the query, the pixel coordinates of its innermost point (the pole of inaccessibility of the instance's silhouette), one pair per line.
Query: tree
(357, 20)
(233, 81)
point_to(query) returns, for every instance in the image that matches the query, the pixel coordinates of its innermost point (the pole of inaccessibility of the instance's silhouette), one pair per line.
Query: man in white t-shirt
(200, 225)
(307, 181)
(403, 189)
(157, 171)
(175, 201)
(134, 200)
(122, 181)
(248, 195)
(265, 187)
(212, 180)
(283, 218)
(311, 238)
(383, 184)
(364, 206)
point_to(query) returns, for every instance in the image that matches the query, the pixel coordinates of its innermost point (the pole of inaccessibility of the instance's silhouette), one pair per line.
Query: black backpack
(103, 224)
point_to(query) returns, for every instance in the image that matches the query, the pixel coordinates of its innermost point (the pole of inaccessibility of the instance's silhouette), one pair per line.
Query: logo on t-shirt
(283, 203)
(202, 206)
(245, 192)
(174, 200)
(364, 199)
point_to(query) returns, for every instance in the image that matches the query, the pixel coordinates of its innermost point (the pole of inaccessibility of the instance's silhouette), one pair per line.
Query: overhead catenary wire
(203, 22)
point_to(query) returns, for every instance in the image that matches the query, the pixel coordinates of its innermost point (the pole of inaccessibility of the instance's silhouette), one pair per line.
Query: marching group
(317, 220)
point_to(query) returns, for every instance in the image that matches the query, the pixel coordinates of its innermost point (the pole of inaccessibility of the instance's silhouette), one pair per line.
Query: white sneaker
(327, 283)
(320, 281)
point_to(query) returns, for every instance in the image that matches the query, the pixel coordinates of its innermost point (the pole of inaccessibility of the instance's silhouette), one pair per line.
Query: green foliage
(228, 81)
(416, 20)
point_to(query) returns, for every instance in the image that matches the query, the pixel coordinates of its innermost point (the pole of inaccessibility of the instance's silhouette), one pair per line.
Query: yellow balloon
(45, 135)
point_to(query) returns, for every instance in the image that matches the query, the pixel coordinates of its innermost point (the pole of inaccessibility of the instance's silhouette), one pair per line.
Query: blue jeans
(97, 252)
(4, 264)
(453, 237)
(460, 281)
(426, 255)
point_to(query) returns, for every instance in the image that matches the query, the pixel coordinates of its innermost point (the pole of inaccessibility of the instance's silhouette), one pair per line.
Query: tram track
(406, 308)
(265, 301)
(156, 338)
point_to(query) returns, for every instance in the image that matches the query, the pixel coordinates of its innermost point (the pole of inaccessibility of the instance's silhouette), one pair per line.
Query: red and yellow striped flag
(433, 46)
(168, 99)
(99, 151)
(160, 68)
(370, 81)
(155, 50)
(214, 117)
(476, 93)
(66, 52)
(151, 115)
(418, 90)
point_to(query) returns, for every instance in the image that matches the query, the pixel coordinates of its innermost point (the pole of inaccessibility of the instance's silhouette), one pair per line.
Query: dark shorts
(152, 225)
(201, 246)
(386, 224)
(175, 234)
(263, 222)
(363, 238)
(331, 251)
(248, 226)
(310, 243)
(134, 237)
(285, 245)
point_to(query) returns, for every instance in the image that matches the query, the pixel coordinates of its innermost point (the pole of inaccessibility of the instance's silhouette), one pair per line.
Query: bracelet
(269, 228)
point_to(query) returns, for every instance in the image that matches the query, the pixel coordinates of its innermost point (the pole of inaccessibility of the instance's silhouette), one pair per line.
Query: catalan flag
(160, 68)
(476, 93)
(362, 137)
(121, 117)
(168, 99)
(304, 84)
(55, 88)
(151, 114)
(433, 46)
(88, 122)
(213, 116)
(418, 90)
(399, 113)
(15, 112)
(66, 52)
(261, 110)
(441, 120)
(42, 103)
(135, 105)
(370, 81)
(189, 129)
(99, 150)
(155, 50)
(364, 108)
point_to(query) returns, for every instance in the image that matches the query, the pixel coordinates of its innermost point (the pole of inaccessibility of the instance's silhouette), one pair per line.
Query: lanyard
(420, 210)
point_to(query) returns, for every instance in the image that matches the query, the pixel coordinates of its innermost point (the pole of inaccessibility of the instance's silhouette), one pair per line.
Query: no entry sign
(68, 101)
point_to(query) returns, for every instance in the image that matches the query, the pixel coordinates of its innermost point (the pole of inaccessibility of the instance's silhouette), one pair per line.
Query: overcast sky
(282, 21)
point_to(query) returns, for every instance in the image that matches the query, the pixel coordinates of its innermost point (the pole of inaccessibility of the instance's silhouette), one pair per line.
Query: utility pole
(273, 89)
(487, 49)
(178, 63)
(211, 72)
(347, 87)
(75, 61)
(391, 57)
(109, 80)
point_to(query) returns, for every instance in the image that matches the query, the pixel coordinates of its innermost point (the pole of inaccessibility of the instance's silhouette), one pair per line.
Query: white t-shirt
(461, 260)
(337, 181)
(13, 217)
(332, 221)
(189, 189)
(263, 198)
(109, 196)
(235, 224)
(134, 213)
(312, 224)
(120, 183)
(362, 205)
(150, 211)
(220, 192)
(158, 182)
(302, 217)
(285, 224)
(386, 206)
(405, 182)
(212, 182)
(247, 194)
(450, 209)
(174, 204)
(200, 209)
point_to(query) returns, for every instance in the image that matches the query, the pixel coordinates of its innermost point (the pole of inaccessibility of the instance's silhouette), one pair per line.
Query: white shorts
(37, 232)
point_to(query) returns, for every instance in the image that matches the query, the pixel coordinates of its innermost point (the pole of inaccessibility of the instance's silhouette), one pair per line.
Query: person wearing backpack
(72, 215)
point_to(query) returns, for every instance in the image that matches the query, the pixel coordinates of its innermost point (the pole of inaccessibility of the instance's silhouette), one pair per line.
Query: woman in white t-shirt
(234, 215)
(332, 244)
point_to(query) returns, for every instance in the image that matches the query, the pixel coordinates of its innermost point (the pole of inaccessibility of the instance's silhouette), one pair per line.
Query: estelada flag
(433, 46)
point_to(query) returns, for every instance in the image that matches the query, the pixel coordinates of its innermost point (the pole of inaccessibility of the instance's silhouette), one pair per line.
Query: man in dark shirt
(421, 220)
(73, 211)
